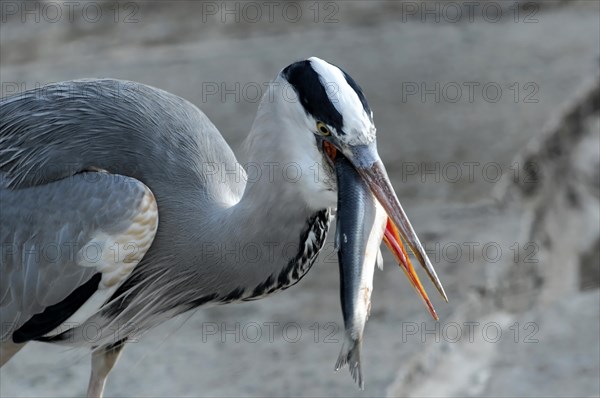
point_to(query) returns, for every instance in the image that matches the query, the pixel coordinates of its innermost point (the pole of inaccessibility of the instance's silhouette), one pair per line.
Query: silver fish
(361, 222)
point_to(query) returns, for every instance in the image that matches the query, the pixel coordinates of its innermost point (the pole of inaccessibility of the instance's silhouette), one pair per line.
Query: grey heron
(115, 195)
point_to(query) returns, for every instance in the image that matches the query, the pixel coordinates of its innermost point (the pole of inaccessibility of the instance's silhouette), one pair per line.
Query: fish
(360, 228)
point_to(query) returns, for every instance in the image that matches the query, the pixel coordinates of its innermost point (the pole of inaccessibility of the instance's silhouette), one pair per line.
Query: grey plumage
(143, 179)
(167, 143)
(44, 228)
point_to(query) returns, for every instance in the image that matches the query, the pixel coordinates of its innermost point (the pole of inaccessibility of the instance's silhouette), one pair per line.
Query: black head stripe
(312, 94)
(358, 91)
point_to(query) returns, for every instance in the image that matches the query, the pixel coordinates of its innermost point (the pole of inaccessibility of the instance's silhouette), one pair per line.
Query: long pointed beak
(394, 243)
(369, 166)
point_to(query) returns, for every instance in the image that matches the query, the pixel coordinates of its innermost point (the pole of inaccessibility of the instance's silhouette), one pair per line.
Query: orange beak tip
(393, 241)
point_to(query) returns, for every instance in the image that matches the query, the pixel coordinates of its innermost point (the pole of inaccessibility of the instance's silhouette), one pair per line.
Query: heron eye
(323, 129)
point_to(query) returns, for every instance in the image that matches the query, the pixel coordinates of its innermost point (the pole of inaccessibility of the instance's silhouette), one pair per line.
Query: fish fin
(379, 260)
(350, 354)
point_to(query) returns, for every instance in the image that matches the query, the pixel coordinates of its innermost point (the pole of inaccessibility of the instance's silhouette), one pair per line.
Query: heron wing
(66, 246)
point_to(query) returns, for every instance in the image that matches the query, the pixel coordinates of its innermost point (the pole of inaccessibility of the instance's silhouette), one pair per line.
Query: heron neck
(269, 227)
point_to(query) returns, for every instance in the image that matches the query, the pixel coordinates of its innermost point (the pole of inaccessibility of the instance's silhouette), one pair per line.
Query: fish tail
(350, 354)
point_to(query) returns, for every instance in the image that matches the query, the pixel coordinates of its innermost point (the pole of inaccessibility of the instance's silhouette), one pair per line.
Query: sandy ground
(204, 354)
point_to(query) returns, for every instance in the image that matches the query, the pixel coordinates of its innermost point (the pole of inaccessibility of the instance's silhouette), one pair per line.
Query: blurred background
(488, 122)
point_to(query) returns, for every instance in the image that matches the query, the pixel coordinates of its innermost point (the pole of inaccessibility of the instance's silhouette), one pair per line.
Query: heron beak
(369, 166)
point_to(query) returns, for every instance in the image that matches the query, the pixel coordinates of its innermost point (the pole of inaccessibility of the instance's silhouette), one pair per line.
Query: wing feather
(55, 237)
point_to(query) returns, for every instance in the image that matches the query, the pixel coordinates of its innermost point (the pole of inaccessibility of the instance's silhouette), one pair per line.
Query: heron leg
(103, 361)
(8, 349)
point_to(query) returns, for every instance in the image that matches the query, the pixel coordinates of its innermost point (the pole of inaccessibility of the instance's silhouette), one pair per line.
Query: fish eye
(323, 129)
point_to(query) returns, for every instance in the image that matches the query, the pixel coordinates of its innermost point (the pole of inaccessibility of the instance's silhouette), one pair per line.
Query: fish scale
(360, 227)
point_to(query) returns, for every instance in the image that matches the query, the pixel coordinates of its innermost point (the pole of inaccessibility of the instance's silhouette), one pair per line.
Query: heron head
(333, 104)
(330, 106)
